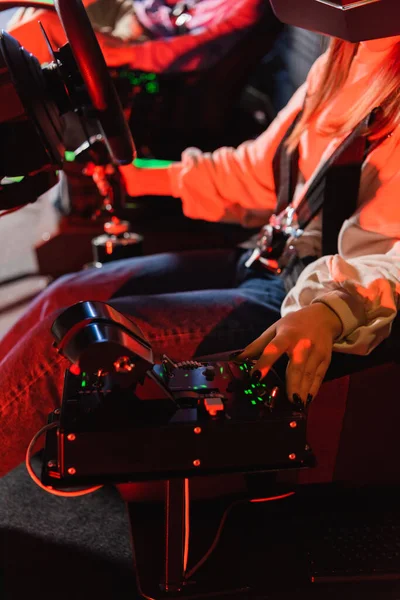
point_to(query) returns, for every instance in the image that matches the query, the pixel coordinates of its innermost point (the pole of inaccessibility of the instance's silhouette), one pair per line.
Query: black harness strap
(285, 169)
(334, 187)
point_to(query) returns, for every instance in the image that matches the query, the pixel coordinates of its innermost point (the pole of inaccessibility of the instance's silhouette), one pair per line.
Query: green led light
(83, 384)
(203, 385)
(241, 368)
(152, 163)
(260, 399)
(253, 386)
(150, 76)
(69, 156)
(186, 375)
(253, 402)
(152, 87)
(221, 370)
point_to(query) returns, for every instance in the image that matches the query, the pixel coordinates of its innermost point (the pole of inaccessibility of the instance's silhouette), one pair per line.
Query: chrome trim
(350, 6)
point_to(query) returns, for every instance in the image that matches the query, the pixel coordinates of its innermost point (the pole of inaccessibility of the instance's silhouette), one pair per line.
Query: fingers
(255, 349)
(319, 376)
(300, 356)
(309, 354)
(305, 373)
(270, 354)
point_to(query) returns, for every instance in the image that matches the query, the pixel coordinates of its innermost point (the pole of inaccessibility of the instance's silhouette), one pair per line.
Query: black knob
(209, 373)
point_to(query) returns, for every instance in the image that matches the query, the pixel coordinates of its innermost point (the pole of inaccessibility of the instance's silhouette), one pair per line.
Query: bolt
(307, 448)
(293, 424)
(71, 437)
(71, 471)
(57, 411)
(196, 463)
(197, 430)
(292, 456)
(51, 464)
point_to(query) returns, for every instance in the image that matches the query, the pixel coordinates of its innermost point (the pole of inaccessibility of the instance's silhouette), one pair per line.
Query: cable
(142, 595)
(214, 544)
(35, 478)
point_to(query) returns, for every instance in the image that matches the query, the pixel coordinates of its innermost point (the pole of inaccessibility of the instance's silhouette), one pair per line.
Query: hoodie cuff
(349, 309)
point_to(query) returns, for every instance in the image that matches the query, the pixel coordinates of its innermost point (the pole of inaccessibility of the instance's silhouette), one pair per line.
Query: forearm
(147, 182)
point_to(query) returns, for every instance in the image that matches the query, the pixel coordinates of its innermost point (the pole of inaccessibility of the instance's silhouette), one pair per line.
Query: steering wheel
(92, 66)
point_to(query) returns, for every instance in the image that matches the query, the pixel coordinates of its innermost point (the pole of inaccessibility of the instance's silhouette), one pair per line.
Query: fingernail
(297, 400)
(256, 375)
(309, 399)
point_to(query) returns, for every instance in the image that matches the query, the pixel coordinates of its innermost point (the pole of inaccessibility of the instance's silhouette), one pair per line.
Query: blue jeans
(187, 304)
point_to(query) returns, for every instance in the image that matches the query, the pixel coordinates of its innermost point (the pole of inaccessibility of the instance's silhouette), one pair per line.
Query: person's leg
(169, 272)
(180, 324)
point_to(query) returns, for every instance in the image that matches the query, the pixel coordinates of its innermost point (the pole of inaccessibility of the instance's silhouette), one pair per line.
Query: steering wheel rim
(93, 68)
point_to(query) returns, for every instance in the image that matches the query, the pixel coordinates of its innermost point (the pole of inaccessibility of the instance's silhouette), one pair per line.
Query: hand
(307, 337)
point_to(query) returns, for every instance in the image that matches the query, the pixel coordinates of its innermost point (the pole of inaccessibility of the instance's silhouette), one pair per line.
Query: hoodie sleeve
(363, 291)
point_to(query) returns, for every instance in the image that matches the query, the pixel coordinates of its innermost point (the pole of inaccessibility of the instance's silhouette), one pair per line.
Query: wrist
(330, 318)
(154, 182)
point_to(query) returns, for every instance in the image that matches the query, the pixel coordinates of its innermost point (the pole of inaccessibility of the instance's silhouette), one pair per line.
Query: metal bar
(176, 499)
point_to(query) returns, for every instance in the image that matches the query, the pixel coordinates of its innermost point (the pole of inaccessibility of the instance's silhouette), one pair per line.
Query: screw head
(71, 437)
(57, 411)
(51, 464)
(197, 430)
(292, 456)
(71, 471)
(196, 463)
(293, 424)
